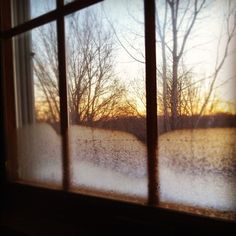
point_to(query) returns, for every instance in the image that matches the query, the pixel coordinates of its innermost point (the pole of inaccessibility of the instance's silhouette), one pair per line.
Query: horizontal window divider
(48, 17)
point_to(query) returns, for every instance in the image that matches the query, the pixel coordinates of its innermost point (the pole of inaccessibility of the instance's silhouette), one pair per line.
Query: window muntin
(197, 210)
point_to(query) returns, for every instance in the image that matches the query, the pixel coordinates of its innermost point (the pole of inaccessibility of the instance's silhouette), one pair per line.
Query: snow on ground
(196, 168)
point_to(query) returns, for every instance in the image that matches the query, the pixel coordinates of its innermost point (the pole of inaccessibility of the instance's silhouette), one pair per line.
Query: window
(89, 112)
(39, 155)
(195, 78)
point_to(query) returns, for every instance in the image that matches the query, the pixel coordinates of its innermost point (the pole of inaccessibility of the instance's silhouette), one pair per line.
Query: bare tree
(230, 25)
(175, 21)
(180, 17)
(180, 93)
(162, 34)
(46, 70)
(94, 92)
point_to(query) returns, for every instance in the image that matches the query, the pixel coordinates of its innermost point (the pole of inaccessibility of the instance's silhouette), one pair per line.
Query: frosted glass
(39, 148)
(110, 161)
(107, 113)
(197, 168)
(197, 106)
(39, 153)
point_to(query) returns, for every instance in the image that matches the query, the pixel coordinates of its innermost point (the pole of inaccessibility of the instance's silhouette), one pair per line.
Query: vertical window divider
(151, 101)
(64, 119)
(9, 95)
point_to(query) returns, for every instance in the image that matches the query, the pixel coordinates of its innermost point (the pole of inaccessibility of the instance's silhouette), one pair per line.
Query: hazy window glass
(196, 105)
(68, 1)
(24, 10)
(105, 66)
(37, 102)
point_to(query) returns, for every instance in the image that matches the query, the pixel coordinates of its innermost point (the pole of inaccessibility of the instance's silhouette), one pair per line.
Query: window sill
(32, 210)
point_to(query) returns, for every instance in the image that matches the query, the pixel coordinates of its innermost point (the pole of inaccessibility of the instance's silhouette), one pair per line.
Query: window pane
(196, 81)
(68, 1)
(24, 10)
(105, 71)
(37, 101)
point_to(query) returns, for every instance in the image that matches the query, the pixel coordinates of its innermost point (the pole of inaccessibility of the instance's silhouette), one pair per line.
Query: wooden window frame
(151, 216)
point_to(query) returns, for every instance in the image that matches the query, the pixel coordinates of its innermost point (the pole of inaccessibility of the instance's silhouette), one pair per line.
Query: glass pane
(24, 10)
(37, 101)
(197, 106)
(105, 71)
(68, 1)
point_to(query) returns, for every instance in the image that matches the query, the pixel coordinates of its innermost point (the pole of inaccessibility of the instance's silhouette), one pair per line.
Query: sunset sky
(125, 19)
(201, 48)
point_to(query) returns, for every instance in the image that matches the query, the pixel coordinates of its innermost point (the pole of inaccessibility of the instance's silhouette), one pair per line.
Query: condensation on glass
(105, 72)
(37, 107)
(25, 10)
(197, 149)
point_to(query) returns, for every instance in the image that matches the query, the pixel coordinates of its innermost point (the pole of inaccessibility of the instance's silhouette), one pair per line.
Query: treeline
(137, 125)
